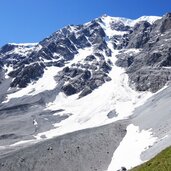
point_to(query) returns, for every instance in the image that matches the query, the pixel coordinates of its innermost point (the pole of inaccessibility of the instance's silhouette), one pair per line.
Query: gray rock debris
(86, 150)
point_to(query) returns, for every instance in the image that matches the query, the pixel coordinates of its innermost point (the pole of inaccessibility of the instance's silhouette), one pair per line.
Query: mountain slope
(84, 150)
(160, 162)
(147, 134)
(109, 70)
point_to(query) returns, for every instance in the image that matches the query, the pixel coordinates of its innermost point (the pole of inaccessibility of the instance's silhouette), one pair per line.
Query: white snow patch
(22, 142)
(107, 25)
(55, 54)
(35, 122)
(47, 82)
(129, 151)
(7, 71)
(129, 22)
(108, 21)
(24, 44)
(150, 19)
(2, 147)
(132, 50)
(82, 54)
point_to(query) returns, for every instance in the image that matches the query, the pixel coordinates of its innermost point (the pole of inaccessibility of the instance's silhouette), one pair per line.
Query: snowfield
(129, 151)
(91, 111)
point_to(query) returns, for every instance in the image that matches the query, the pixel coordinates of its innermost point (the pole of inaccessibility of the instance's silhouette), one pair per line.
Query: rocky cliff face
(150, 68)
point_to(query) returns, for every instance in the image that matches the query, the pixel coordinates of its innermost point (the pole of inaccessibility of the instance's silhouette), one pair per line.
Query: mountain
(88, 97)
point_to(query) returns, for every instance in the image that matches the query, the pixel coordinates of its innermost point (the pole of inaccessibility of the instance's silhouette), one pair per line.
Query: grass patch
(162, 162)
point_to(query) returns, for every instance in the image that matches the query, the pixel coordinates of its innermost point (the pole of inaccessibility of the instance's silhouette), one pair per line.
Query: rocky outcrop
(122, 169)
(25, 75)
(166, 23)
(84, 78)
(149, 68)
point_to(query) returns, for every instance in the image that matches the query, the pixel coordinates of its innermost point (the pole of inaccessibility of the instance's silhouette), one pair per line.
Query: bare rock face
(84, 80)
(166, 23)
(140, 35)
(149, 68)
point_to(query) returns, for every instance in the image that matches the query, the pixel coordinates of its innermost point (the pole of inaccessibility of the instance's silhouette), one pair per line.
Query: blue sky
(33, 20)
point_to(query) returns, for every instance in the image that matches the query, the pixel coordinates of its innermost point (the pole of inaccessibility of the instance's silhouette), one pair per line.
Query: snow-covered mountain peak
(109, 19)
(128, 22)
(24, 44)
(20, 49)
(150, 19)
(119, 26)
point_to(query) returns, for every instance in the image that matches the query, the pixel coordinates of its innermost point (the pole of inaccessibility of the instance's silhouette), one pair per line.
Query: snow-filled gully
(131, 147)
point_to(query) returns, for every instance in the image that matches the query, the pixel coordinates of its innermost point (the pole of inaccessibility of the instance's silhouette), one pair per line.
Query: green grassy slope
(162, 162)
